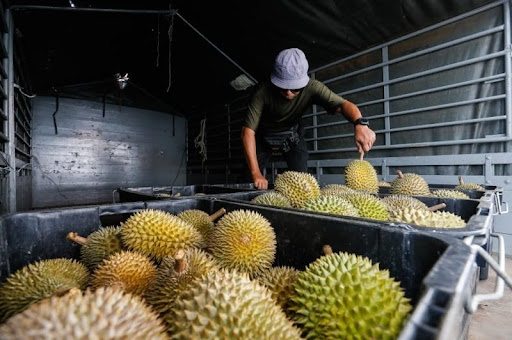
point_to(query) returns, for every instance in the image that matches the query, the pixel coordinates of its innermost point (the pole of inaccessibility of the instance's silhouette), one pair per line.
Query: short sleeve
(326, 98)
(255, 110)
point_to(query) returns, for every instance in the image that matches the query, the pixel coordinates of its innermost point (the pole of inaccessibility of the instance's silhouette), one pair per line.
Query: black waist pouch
(281, 141)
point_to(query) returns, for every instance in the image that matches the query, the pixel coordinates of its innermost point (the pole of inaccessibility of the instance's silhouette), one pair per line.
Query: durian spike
(437, 207)
(327, 249)
(217, 214)
(361, 155)
(77, 238)
(181, 261)
(400, 174)
(461, 182)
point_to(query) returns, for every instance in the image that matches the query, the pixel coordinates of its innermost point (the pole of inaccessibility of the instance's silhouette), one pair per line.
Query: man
(275, 112)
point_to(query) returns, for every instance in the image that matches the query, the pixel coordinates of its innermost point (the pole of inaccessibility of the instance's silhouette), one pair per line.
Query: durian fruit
(361, 175)
(427, 218)
(280, 281)
(107, 313)
(344, 296)
(397, 202)
(243, 240)
(203, 222)
(38, 281)
(334, 190)
(409, 184)
(174, 276)
(331, 205)
(384, 184)
(468, 186)
(158, 234)
(368, 206)
(228, 305)
(132, 271)
(445, 193)
(298, 187)
(273, 198)
(99, 245)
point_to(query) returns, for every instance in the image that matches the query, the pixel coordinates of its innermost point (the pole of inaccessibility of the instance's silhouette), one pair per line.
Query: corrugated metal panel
(92, 155)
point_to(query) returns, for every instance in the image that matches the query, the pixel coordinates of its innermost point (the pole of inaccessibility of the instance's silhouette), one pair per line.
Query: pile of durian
(358, 197)
(164, 276)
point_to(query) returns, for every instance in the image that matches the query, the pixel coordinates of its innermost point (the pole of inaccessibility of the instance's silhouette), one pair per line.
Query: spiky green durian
(133, 271)
(40, 280)
(201, 220)
(331, 205)
(174, 277)
(468, 186)
(334, 190)
(243, 240)
(361, 175)
(99, 245)
(449, 194)
(106, 313)
(344, 296)
(397, 202)
(409, 184)
(229, 305)
(298, 187)
(368, 206)
(426, 218)
(273, 198)
(159, 234)
(280, 281)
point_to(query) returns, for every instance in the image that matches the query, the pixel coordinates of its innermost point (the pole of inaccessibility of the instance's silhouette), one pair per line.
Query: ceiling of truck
(186, 62)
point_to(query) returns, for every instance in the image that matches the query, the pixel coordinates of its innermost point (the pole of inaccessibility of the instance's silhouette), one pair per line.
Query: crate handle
(114, 192)
(472, 303)
(502, 211)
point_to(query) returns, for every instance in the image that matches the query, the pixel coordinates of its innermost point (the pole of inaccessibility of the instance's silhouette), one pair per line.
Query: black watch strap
(362, 121)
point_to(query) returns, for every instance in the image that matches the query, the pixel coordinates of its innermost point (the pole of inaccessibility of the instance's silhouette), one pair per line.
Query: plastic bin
(436, 271)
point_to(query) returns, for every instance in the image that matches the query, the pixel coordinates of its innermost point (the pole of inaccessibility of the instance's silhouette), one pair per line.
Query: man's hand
(260, 182)
(364, 137)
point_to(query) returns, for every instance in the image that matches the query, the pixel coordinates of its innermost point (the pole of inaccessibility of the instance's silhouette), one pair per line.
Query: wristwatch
(362, 121)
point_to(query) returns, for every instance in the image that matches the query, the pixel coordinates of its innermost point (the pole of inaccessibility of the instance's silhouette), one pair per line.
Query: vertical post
(508, 67)
(315, 123)
(9, 88)
(385, 79)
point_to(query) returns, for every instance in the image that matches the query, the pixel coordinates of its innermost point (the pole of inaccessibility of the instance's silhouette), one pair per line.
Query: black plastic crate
(436, 271)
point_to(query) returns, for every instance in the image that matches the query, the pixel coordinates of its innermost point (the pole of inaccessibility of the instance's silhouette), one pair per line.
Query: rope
(169, 33)
(199, 141)
(23, 93)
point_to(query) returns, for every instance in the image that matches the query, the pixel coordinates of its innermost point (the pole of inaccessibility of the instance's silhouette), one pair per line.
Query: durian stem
(461, 182)
(361, 155)
(77, 238)
(327, 249)
(217, 214)
(180, 261)
(437, 207)
(400, 174)
(63, 290)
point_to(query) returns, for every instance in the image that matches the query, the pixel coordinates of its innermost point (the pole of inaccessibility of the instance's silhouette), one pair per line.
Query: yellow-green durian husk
(298, 187)
(280, 281)
(107, 313)
(100, 245)
(368, 206)
(410, 184)
(243, 240)
(229, 305)
(331, 205)
(449, 194)
(397, 202)
(273, 198)
(426, 218)
(361, 175)
(334, 190)
(38, 281)
(159, 234)
(344, 296)
(132, 271)
(172, 281)
(200, 220)
(469, 186)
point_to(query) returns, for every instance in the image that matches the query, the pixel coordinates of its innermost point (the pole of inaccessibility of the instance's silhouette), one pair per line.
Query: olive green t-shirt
(270, 111)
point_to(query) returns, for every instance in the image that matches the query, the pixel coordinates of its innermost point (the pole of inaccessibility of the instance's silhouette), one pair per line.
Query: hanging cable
(23, 93)
(199, 141)
(169, 33)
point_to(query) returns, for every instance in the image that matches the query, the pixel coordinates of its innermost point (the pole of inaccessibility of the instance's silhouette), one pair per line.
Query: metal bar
(315, 121)
(218, 49)
(9, 86)
(416, 33)
(3, 137)
(3, 116)
(508, 67)
(388, 62)
(22, 124)
(104, 10)
(22, 139)
(22, 152)
(3, 23)
(385, 78)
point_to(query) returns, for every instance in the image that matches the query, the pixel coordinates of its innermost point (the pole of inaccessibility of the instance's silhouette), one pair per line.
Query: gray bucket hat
(290, 69)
